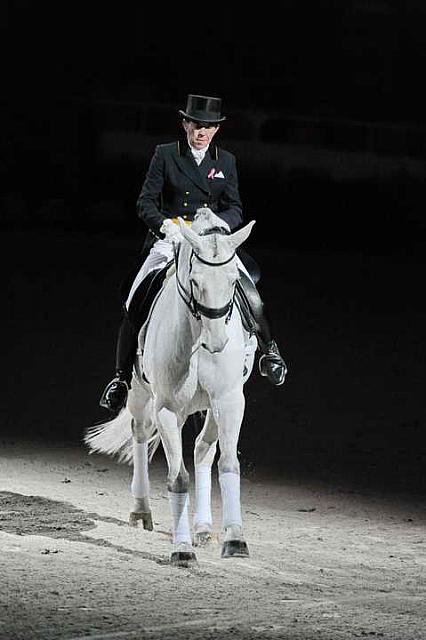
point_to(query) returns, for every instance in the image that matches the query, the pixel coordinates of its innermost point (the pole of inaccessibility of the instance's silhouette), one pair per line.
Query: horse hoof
(183, 558)
(146, 518)
(202, 538)
(235, 549)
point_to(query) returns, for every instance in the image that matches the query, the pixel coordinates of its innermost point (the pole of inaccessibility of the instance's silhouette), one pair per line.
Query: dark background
(326, 113)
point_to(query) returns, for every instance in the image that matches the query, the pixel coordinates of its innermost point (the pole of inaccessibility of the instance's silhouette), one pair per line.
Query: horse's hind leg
(204, 453)
(140, 486)
(177, 485)
(140, 404)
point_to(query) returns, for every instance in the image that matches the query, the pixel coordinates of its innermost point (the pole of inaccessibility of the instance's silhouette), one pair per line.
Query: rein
(196, 308)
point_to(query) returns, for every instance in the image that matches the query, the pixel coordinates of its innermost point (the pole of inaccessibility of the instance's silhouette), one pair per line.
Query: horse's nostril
(213, 350)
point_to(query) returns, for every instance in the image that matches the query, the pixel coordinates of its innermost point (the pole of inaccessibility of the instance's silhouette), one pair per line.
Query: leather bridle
(196, 308)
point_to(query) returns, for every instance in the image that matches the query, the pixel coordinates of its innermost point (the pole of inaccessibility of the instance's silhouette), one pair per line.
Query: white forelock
(206, 219)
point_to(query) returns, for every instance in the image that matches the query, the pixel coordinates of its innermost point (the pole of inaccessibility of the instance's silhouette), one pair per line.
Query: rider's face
(199, 135)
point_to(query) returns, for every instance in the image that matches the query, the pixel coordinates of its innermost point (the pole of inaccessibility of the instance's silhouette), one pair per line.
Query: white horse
(192, 355)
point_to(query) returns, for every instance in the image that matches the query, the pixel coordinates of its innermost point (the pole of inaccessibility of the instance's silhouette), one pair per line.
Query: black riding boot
(271, 364)
(114, 396)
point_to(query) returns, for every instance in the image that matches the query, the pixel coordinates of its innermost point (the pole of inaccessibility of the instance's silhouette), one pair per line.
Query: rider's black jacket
(176, 186)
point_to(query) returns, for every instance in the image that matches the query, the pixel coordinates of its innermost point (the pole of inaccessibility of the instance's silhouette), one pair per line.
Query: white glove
(171, 231)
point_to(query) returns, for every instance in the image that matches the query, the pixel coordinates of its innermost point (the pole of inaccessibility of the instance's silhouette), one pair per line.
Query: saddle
(146, 295)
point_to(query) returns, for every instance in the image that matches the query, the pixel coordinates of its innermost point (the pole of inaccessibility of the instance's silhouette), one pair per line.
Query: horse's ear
(241, 235)
(190, 235)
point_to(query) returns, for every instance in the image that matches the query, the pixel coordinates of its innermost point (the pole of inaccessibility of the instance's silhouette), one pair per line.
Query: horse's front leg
(177, 485)
(228, 412)
(204, 453)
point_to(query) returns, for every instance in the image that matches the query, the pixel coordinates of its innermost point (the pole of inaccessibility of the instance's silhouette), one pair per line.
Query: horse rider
(184, 176)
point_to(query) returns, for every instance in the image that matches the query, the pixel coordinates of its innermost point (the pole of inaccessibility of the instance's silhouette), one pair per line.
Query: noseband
(196, 308)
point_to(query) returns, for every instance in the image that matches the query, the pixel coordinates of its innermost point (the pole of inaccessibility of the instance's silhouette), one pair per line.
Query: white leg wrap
(179, 503)
(203, 514)
(230, 491)
(140, 481)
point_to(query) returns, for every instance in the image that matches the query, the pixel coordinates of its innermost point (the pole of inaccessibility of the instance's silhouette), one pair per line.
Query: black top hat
(203, 109)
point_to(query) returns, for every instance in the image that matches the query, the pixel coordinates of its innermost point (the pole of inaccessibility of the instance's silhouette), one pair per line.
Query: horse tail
(153, 444)
(115, 438)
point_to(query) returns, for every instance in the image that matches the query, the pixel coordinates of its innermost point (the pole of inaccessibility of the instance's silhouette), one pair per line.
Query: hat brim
(201, 120)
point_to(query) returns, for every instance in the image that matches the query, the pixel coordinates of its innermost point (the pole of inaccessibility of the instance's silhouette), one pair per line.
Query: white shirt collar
(198, 153)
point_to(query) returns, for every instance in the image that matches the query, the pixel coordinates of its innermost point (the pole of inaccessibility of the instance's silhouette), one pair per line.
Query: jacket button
(187, 193)
(205, 204)
(185, 204)
(185, 216)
